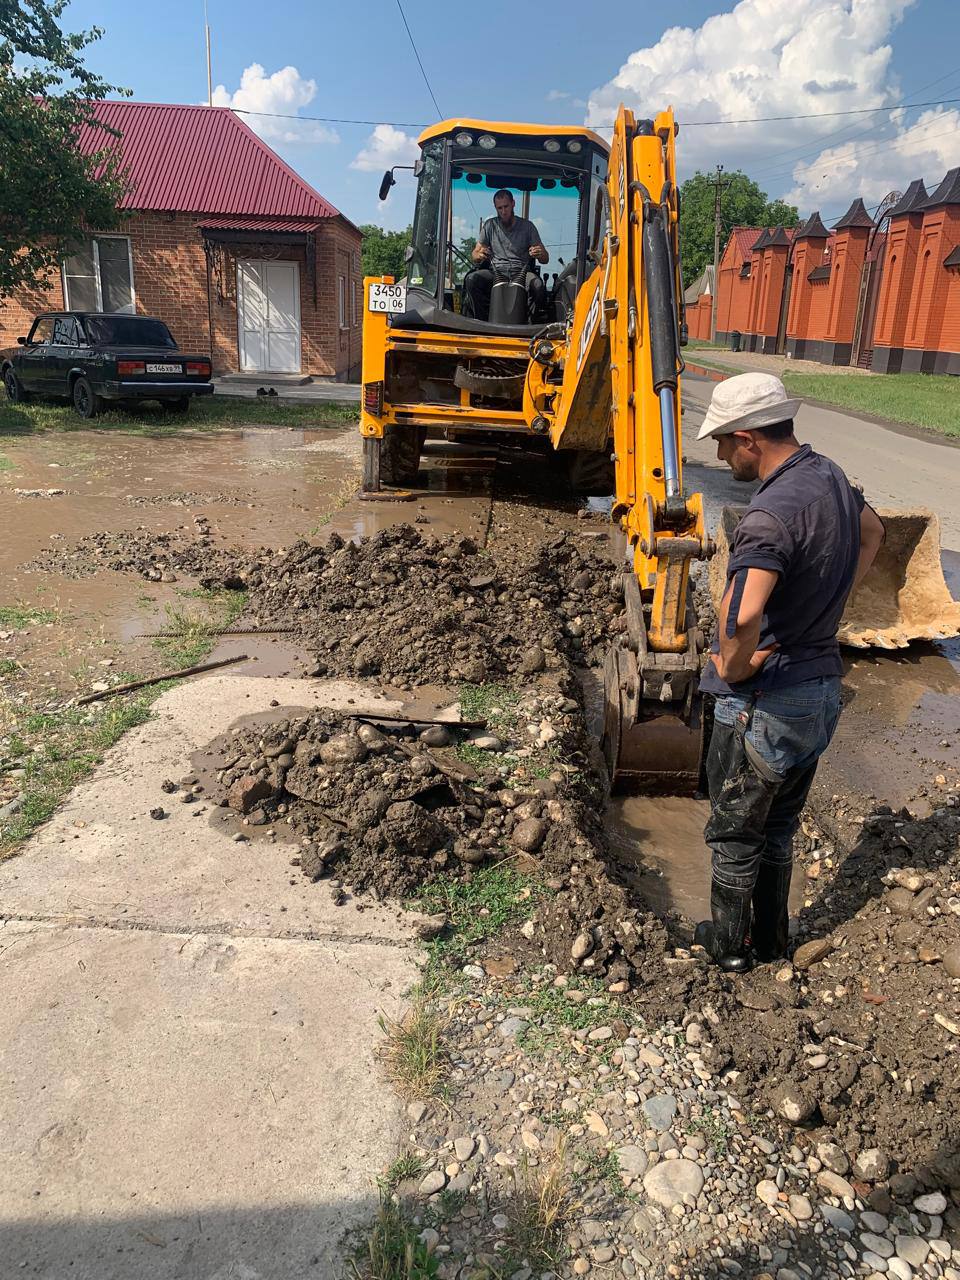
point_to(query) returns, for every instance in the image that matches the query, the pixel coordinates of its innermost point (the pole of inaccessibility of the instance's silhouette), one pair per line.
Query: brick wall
(170, 280)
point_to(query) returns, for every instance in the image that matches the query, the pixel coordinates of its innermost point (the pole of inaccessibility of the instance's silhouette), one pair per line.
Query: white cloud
(281, 94)
(772, 58)
(926, 148)
(385, 147)
(561, 95)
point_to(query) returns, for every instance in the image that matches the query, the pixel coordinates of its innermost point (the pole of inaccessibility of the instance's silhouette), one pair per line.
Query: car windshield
(128, 331)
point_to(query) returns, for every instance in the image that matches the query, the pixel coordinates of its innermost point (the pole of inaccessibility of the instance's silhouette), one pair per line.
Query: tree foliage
(382, 251)
(49, 193)
(743, 204)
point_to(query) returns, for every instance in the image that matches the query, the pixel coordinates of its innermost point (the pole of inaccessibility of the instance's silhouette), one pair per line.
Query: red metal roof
(250, 222)
(201, 160)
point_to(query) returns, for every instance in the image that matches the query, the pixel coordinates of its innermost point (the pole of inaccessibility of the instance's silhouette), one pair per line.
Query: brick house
(221, 240)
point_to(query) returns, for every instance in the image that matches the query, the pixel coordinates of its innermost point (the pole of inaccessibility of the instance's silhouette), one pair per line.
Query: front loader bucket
(904, 596)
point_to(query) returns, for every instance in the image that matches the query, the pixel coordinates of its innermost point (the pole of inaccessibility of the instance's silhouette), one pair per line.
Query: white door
(268, 312)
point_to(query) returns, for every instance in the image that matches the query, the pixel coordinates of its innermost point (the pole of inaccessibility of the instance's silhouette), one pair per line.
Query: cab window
(65, 332)
(42, 331)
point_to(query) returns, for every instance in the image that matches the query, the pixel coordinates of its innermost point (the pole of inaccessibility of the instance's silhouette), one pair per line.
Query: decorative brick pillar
(932, 338)
(849, 252)
(809, 247)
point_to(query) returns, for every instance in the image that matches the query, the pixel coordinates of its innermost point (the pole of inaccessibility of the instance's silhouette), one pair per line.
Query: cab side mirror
(388, 181)
(21, 341)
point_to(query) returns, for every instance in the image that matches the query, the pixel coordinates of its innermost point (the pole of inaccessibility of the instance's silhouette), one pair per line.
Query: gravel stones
(434, 1181)
(951, 962)
(631, 1160)
(343, 749)
(660, 1111)
(768, 1192)
(834, 1185)
(247, 792)
(582, 946)
(912, 1249)
(529, 835)
(668, 1182)
(794, 1102)
(871, 1165)
(935, 1203)
(811, 952)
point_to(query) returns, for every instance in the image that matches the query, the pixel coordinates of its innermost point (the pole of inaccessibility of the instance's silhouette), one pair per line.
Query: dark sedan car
(92, 358)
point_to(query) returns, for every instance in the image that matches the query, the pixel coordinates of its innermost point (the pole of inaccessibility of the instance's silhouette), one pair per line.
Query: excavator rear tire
(400, 454)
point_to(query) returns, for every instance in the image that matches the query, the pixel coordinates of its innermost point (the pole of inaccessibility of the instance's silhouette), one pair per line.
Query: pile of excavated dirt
(401, 606)
(414, 609)
(859, 1035)
(855, 1041)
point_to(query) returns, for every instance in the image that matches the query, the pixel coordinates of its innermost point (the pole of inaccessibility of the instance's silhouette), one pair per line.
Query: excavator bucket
(904, 596)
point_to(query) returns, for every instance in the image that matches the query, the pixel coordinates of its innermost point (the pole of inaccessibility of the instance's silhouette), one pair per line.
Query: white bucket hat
(746, 402)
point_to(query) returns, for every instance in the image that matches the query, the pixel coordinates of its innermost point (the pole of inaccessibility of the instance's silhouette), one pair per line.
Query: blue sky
(752, 57)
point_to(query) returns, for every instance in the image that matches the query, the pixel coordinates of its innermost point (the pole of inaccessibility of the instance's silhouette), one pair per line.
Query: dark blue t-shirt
(803, 523)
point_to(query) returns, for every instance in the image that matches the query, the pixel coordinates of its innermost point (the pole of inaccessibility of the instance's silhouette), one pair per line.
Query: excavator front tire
(586, 473)
(400, 454)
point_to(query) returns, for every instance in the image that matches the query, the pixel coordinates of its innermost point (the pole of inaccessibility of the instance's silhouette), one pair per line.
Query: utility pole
(206, 28)
(719, 186)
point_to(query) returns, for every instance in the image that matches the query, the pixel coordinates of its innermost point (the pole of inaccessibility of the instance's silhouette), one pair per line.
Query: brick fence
(883, 295)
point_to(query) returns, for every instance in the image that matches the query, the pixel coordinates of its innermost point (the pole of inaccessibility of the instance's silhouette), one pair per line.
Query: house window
(342, 300)
(99, 276)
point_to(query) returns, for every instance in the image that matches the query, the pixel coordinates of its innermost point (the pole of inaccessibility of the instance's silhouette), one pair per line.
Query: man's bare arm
(739, 658)
(872, 534)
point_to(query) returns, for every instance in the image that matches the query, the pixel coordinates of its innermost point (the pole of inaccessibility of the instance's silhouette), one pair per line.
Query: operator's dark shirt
(803, 523)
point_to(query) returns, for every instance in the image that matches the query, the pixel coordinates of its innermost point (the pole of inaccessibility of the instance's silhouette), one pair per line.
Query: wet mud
(479, 579)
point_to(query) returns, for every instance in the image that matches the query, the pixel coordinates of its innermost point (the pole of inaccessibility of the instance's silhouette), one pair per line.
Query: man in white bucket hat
(806, 540)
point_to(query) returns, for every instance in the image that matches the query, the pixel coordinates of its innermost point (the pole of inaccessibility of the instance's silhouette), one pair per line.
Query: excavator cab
(551, 177)
(428, 366)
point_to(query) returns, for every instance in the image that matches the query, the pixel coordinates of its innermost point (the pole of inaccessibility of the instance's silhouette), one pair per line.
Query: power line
(810, 115)
(686, 124)
(808, 147)
(416, 54)
(284, 115)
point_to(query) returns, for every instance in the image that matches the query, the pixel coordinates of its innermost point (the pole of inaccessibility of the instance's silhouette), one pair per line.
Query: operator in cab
(504, 251)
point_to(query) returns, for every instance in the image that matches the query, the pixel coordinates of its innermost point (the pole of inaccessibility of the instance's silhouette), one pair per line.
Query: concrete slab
(188, 1085)
(189, 1106)
(337, 392)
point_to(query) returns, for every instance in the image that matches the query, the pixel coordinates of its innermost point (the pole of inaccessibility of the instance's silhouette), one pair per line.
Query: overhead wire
(416, 54)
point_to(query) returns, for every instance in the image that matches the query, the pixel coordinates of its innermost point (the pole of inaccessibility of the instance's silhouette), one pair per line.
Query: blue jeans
(762, 759)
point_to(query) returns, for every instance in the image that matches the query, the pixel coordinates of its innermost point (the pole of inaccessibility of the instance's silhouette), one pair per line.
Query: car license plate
(389, 298)
(164, 368)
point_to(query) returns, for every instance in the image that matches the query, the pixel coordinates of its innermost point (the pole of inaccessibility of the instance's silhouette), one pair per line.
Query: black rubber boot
(770, 931)
(724, 937)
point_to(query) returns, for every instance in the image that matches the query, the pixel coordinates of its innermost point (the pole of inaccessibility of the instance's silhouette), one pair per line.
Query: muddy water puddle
(256, 486)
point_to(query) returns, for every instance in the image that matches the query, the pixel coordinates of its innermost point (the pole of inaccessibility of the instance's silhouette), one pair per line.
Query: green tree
(742, 204)
(49, 192)
(382, 251)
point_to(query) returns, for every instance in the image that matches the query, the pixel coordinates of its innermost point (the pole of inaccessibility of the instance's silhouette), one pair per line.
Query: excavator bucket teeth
(655, 749)
(904, 596)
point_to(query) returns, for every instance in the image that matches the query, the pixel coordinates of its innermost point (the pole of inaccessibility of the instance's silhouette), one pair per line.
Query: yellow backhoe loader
(588, 366)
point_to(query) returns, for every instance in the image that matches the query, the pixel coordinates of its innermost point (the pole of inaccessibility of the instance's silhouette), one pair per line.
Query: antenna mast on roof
(206, 28)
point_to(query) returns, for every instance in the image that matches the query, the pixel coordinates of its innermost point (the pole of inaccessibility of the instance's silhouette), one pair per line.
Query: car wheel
(180, 405)
(15, 392)
(85, 400)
